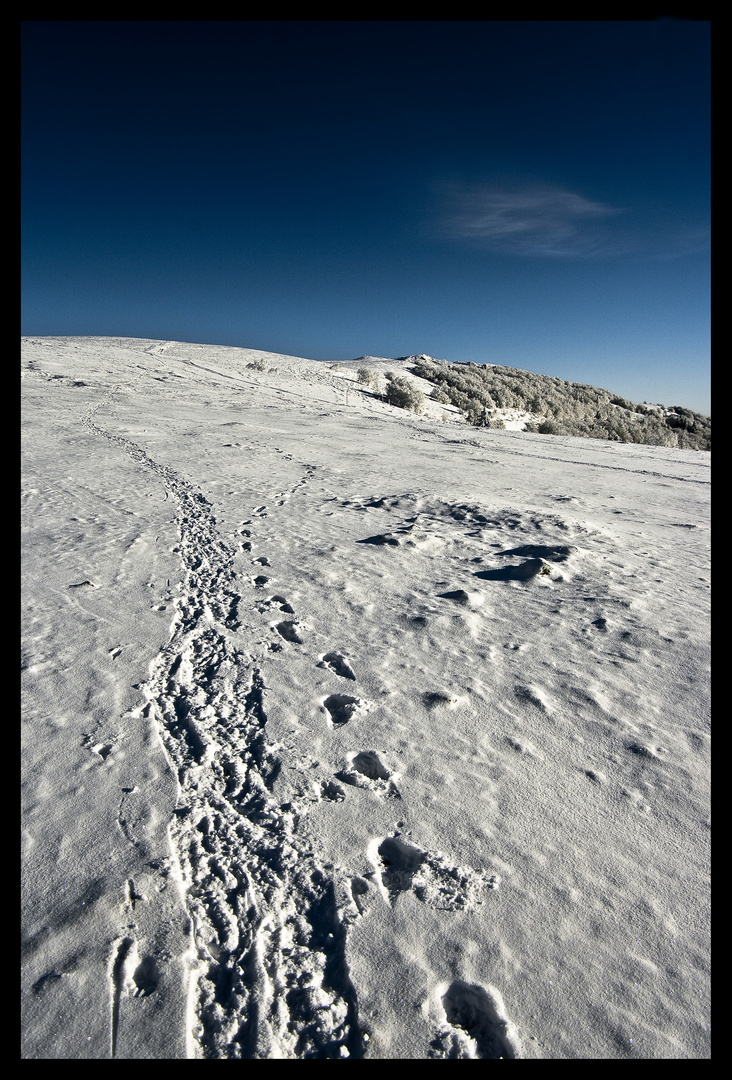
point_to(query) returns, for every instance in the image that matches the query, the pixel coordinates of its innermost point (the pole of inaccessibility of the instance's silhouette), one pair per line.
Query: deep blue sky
(531, 193)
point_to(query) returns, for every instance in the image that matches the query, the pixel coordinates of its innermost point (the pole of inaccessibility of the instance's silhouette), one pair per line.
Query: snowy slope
(351, 732)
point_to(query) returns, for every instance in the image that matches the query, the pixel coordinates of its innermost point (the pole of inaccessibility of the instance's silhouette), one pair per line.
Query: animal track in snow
(343, 708)
(424, 512)
(290, 631)
(525, 571)
(381, 539)
(399, 862)
(368, 764)
(366, 770)
(403, 866)
(426, 525)
(336, 662)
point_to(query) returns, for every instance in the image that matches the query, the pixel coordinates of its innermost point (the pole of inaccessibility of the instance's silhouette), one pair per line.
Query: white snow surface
(348, 732)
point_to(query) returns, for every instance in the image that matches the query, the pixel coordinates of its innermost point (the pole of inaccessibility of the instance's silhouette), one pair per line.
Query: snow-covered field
(351, 732)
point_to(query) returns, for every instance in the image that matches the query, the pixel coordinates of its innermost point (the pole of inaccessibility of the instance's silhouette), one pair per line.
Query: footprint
(400, 861)
(369, 764)
(527, 570)
(475, 1024)
(402, 866)
(342, 707)
(337, 663)
(366, 770)
(146, 977)
(383, 539)
(289, 631)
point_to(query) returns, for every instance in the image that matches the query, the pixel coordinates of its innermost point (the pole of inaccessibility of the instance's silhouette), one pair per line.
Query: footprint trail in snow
(270, 937)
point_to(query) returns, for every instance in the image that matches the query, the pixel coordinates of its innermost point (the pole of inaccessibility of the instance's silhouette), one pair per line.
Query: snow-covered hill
(351, 732)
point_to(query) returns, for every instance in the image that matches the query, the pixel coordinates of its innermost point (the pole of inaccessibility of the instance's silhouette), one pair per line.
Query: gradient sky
(526, 193)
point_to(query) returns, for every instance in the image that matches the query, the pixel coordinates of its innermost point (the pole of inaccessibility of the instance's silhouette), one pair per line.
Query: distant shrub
(477, 415)
(673, 420)
(403, 393)
(367, 377)
(440, 397)
(257, 365)
(547, 427)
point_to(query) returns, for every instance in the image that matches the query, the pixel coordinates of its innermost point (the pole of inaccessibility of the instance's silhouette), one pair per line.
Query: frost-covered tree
(572, 408)
(403, 393)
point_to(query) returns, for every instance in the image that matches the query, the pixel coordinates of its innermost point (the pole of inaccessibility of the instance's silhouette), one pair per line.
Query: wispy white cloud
(530, 221)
